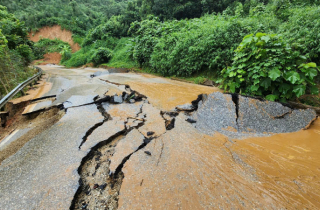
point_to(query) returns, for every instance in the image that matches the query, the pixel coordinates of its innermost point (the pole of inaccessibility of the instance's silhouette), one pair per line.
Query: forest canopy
(191, 38)
(15, 51)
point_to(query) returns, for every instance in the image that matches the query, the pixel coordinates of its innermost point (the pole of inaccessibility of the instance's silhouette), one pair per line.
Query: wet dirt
(55, 32)
(164, 94)
(98, 190)
(213, 172)
(168, 96)
(49, 58)
(38, 90)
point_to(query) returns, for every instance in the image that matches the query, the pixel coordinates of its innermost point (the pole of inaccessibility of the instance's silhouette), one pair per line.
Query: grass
(121, 57)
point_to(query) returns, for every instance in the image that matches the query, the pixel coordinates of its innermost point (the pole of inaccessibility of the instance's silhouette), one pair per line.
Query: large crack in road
(118, 147)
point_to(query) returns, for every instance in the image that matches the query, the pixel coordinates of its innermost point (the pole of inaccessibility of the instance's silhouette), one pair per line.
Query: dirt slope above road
(54, 32)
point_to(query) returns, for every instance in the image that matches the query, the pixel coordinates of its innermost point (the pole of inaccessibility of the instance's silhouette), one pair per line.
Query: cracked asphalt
(145, 154)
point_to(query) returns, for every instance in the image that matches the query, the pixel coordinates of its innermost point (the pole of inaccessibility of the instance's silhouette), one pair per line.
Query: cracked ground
(117, 141)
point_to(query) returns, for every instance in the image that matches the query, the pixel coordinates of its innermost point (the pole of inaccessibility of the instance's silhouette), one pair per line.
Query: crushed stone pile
(240, 116)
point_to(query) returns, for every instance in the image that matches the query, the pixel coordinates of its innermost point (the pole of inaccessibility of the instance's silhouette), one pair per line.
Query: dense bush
(44, 46)
(303, 26)
(101, 55)
(265, 65)
(77, 16)
(79, 58)
(121, 55)
(15, 52)
(186, 47)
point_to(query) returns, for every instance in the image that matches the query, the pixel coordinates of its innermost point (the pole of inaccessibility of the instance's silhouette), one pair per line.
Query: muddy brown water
(288, 165)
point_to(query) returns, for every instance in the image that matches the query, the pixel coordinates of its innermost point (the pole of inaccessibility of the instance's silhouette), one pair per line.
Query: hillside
(277, 41)
(54, 32)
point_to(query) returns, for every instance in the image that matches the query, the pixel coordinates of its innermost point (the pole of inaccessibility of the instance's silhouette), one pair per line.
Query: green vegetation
(15, 52)
(44, 46)
(193, 39)
(77, 16)
(265, 65)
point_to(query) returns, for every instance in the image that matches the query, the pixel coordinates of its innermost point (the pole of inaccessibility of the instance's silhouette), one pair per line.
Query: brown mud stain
(188, 170)
(49, 58)
(288, 165)
(55, 32)
(35, 92)
(166, 96)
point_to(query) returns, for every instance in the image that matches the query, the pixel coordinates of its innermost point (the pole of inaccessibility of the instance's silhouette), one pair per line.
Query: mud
(36, 91)
(164, 94)
(49, 58)
(287, 165)
(55, 32)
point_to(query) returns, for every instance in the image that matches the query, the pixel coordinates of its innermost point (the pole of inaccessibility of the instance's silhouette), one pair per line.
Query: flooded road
(116, 141)
(288, 165)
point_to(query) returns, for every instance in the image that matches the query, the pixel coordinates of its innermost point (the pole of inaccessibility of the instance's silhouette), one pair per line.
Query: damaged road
(135, 141)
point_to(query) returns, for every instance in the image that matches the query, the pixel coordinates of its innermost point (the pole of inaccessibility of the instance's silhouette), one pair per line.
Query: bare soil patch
(49, 58)
(55, 32)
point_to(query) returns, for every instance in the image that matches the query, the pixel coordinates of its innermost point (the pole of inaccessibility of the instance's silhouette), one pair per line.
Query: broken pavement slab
(153, 122)
(124, 110)
(125, 147)
(43, 173)
(216, 114)
(38, 107)
(78, 100)
(265, 116)
(103, 132)
(185, 107)
(239, 116)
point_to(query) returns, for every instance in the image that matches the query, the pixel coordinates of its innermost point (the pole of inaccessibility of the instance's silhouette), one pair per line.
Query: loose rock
(147, 152)
(185, 107)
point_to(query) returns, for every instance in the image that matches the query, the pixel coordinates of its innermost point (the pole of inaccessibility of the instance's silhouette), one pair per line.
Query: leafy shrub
(303, 26)
(65, 53)
(26, 52)
(101, 55)
(78, 58)
(121, 55)
(265, 65)
(15, 52)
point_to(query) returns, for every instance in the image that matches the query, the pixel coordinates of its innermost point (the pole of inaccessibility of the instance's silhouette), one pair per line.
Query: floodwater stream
(288, 165)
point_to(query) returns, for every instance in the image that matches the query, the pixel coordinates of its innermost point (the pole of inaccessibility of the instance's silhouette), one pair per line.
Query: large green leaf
(232, 87)
(311, 72)
(284, 88)
(299, 90)
(265, 38)
(314, 90)
(313, 65)
(271, 97)
(254, 88)
(266, 83)
(274, 74)
(292, 76)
